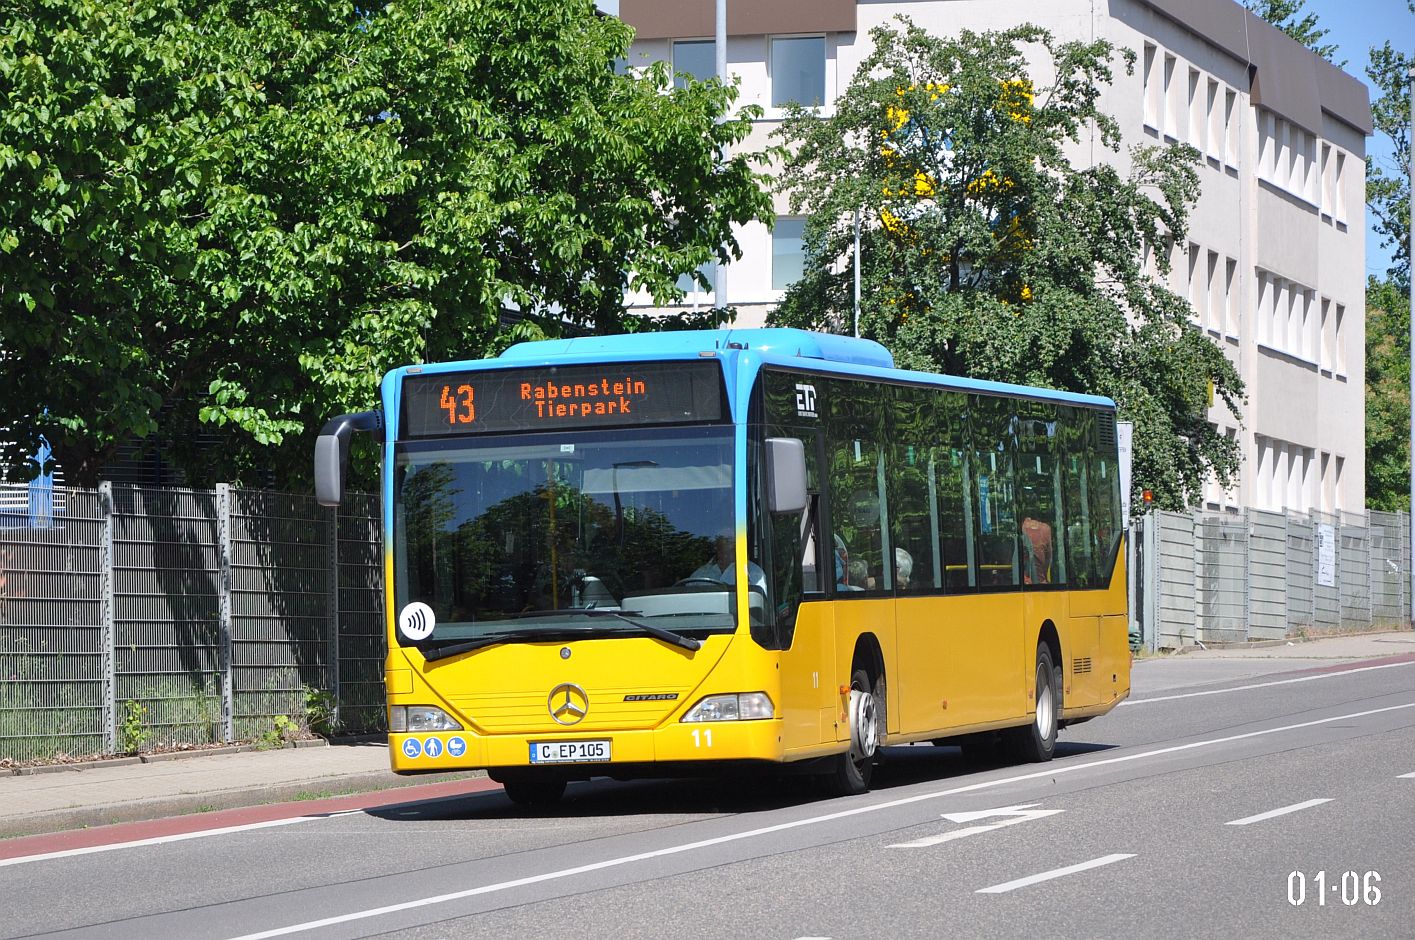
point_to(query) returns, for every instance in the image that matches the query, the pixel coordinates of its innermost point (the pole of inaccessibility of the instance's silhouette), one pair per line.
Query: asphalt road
(1198, 808)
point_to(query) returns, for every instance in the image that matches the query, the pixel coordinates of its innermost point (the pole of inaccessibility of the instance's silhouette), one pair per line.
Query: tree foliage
(235, 215)
(1388, 298)
(1387, 396)
(1388, 186)
(987, 253)
(1287, 16)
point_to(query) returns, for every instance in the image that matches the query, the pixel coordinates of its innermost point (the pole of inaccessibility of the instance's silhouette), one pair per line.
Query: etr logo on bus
(806, 401)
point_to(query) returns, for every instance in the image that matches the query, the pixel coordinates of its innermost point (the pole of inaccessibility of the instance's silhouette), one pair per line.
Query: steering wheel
(687, 582)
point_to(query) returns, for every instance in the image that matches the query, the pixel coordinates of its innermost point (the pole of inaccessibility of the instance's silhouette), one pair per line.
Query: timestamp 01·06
(1351, 887)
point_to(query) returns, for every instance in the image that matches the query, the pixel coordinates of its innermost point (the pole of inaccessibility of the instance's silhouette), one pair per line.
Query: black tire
(850, 772)
(534, 791)
(984, 749)
(1036, 743)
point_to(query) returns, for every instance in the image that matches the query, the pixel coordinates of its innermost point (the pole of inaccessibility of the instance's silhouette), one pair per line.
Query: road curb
(80, 817)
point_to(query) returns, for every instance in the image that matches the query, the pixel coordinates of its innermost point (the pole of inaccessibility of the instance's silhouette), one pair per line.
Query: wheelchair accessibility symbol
(412, 748)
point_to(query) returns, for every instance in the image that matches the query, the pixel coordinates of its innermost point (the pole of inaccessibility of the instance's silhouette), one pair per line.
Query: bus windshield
(541, 537)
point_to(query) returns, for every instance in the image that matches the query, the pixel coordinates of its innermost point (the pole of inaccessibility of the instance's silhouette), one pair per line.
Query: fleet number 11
(702, 738)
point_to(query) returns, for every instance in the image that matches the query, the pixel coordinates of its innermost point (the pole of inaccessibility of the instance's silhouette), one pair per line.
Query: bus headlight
(416, 718)
(740, 706)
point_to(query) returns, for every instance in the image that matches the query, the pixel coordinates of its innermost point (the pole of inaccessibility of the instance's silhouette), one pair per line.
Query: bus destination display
(553, 398)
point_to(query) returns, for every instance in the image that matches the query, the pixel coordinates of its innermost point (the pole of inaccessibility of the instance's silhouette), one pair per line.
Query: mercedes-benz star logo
(568, 703)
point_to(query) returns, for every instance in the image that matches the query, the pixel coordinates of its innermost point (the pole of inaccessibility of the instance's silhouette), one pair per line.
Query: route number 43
(702, 738)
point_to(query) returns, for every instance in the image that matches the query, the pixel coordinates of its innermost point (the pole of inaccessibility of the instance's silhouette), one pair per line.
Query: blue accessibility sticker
(412, 748)
(456, 747)
(433, 747)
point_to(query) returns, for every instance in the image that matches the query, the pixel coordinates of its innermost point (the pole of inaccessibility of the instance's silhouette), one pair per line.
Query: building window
(1172, 92)
(1326, 171)
(1196, 116)
(1213, 123)
(788, 252)
(1230, 128)
(798, 71)
(697, 57)
(693, 291)
(1339, 336)
(1230, 297)
(1152, 89)
(1340, 185)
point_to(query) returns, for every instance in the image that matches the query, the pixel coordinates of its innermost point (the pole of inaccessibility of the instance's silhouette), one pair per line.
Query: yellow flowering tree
(1004, 234)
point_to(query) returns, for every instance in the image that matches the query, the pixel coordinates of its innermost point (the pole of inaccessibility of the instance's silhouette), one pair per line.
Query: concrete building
(1274, 262)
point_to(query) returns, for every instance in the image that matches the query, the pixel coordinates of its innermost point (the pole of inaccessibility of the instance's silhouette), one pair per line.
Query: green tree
(1287, 16)
(236, 215)
(986, 253)
(1388, 298)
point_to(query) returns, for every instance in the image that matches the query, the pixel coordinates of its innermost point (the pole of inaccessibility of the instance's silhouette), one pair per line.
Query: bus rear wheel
(1036, 742)
(851, 772)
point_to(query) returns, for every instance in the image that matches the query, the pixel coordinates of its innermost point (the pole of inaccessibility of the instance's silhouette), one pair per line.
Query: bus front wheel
(533, 791)
(851, 771)
(1036, 742)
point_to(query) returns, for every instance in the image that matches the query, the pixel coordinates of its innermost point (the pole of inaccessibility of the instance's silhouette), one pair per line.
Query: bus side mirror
(785, 474)
(331, 453)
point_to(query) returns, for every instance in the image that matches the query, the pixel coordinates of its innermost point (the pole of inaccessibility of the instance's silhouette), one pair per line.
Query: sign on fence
(1325, 538)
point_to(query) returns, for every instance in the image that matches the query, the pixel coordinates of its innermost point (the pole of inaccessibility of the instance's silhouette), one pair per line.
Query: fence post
(223, 588)
(1151, 575)
(1404, 542)
(334, 662)
(106, 613)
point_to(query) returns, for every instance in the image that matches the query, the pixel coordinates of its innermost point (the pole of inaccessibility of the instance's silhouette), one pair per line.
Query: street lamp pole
(1410, 254)
(719, 48)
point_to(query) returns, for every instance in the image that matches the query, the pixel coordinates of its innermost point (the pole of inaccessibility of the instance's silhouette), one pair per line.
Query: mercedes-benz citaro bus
(680, 553)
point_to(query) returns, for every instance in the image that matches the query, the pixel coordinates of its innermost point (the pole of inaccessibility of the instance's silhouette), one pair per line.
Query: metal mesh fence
(52, 683)
(1263, 575)
(167, 634)
(1223, 552)
(362, 642)
(133, 618)
(280, 594)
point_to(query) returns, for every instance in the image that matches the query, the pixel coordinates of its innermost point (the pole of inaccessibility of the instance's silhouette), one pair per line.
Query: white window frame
(827, 91)
(1151, 90)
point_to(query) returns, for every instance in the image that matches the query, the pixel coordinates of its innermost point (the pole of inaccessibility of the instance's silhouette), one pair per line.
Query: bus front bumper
(582, 753)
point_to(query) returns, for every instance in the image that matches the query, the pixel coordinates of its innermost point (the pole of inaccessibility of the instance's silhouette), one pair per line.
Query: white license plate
(568, 752)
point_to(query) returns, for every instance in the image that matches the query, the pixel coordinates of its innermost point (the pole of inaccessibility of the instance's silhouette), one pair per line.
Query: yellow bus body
(953, 664)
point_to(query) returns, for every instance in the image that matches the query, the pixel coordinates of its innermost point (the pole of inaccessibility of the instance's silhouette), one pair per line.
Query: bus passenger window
(1039, 499)
(1073, 455)
(854, 435)
(991, 494)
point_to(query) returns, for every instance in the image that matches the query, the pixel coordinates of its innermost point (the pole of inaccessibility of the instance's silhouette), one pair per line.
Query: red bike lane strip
(120, 834)
(1361, 663)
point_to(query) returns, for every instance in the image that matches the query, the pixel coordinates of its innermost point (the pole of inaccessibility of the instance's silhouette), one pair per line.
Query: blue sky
(1355, 26)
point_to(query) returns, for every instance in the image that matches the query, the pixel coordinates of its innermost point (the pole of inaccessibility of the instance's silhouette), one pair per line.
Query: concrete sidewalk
(102, 792)
(98, 793)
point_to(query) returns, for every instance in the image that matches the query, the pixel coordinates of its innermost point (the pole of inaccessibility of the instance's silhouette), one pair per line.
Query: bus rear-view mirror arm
(331, 452)
(785, 474)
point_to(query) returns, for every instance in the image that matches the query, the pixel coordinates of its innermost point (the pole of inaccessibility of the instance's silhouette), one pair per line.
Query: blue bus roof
(782, 342)
(845, 355)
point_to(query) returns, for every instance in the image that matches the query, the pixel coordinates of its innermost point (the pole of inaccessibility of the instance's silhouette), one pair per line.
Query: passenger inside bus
(849, 576)
(1037, 544)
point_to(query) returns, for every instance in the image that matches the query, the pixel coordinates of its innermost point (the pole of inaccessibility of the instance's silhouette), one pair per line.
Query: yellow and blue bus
(678, 553)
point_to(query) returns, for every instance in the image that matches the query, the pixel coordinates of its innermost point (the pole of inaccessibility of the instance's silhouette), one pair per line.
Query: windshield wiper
(653, 630)
(433, 653)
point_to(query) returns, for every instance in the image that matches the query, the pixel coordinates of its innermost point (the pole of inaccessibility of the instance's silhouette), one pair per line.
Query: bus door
(802, 624)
